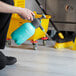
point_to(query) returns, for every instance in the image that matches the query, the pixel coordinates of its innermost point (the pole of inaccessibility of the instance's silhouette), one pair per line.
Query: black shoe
(3, 60)
(11, 60)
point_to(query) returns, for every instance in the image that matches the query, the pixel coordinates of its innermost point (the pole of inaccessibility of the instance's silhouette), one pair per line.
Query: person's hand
(26, 13)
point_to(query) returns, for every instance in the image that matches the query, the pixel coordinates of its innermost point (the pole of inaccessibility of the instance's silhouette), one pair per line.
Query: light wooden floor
(45, 61)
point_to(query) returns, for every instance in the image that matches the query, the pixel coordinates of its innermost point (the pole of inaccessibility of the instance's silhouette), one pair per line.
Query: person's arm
(24, 12)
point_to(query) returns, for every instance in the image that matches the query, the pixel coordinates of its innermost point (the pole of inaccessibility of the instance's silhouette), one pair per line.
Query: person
(6, 10)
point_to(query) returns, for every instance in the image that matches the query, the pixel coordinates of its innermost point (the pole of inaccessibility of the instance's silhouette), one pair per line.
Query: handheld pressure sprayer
(27, 30)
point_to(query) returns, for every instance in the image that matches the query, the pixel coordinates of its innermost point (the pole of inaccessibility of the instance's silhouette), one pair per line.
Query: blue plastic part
(23, 33)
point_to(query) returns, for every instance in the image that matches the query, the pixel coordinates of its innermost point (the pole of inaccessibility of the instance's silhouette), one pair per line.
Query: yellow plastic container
(16, 23)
